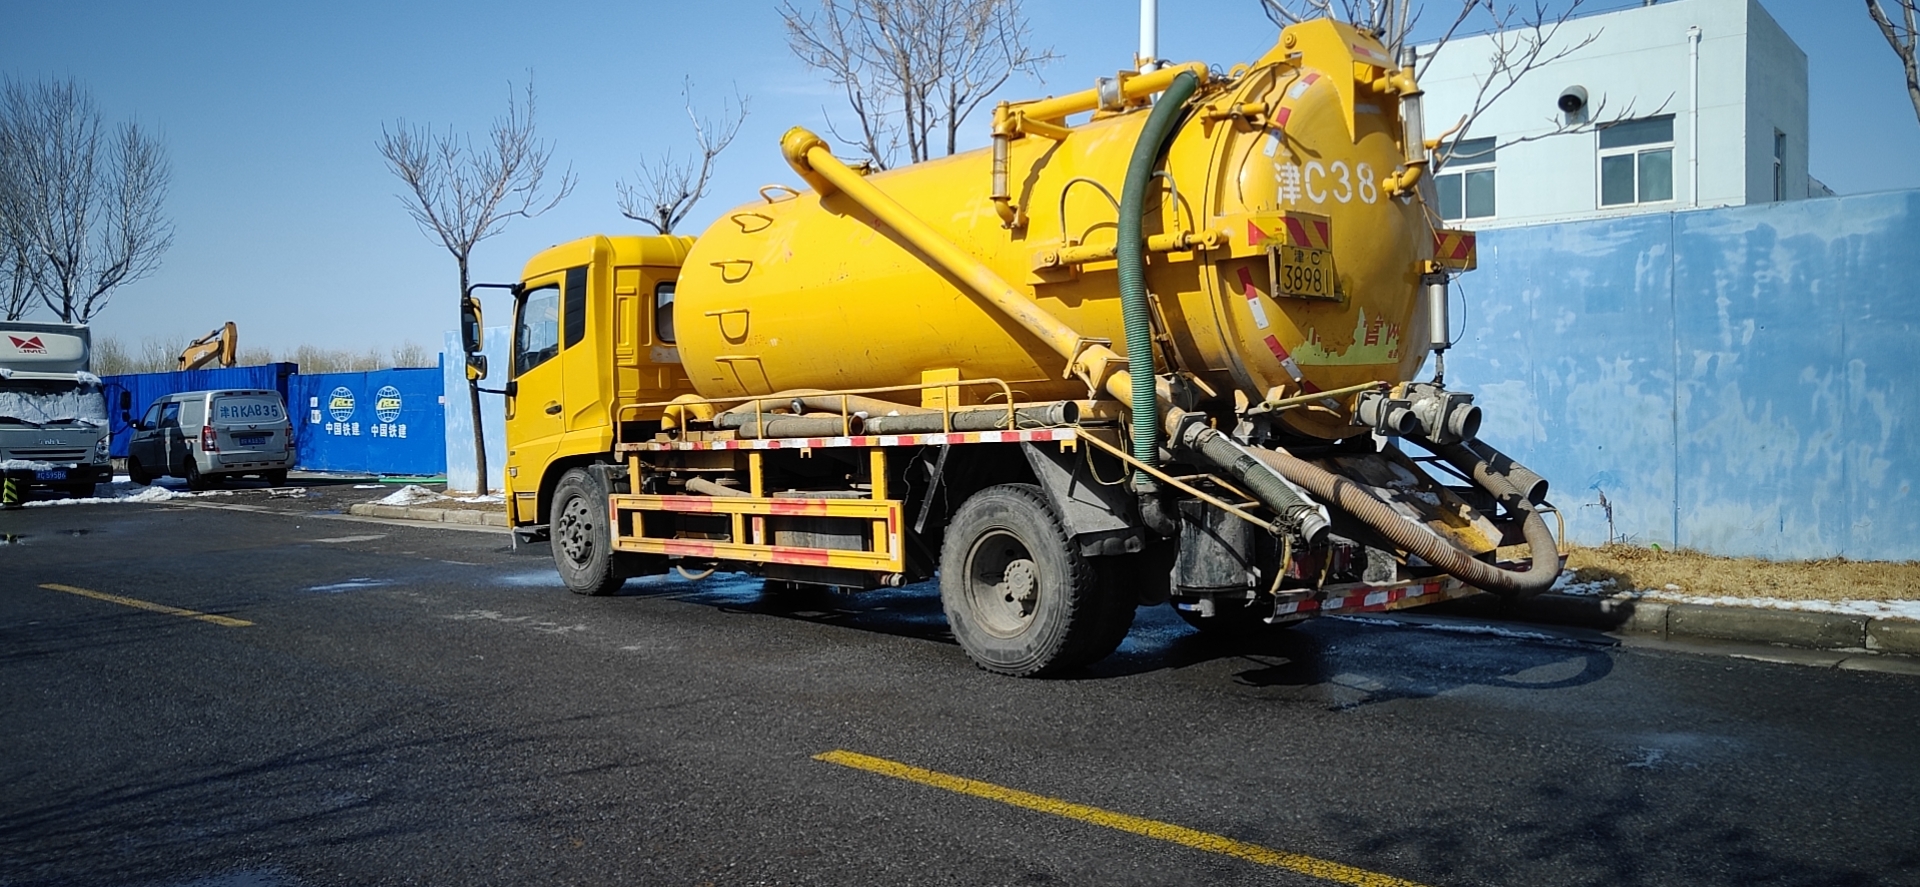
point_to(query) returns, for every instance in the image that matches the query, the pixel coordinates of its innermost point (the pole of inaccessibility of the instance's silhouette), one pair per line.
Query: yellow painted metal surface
(808, 292)
(886, 553)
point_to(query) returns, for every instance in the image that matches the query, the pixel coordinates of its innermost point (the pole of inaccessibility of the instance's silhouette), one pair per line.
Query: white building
(1682, 104)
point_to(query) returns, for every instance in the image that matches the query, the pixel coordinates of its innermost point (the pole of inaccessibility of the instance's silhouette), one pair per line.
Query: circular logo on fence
(386, 404)
(340, 404)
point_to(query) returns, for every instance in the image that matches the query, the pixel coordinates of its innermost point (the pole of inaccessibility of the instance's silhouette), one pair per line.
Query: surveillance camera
(1573, 99)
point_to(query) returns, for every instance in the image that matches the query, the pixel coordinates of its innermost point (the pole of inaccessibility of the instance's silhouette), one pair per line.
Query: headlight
(100, 449)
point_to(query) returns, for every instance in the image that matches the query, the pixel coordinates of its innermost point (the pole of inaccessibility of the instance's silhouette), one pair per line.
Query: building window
(1636, 161)
(1779, 165)
(1466, 189)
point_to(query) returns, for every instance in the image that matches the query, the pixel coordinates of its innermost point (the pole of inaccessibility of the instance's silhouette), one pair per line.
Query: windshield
(246, 409)
(40, 403)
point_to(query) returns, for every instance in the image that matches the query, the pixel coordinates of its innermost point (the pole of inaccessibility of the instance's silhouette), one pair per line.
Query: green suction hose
(1130, 252)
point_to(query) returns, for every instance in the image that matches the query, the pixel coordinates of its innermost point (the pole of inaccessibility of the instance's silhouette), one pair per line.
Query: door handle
(553, 409)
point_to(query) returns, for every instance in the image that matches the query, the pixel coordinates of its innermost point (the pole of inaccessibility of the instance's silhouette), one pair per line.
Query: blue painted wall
(1735, 380)
(384, 421)
(461, 473)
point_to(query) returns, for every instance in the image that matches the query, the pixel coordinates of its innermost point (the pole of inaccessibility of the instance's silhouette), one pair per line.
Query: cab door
(148, 446)
(536, 406)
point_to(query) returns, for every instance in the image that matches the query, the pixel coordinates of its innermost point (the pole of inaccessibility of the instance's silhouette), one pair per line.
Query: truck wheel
(582, 541)
(136, 473)
(1019, 599)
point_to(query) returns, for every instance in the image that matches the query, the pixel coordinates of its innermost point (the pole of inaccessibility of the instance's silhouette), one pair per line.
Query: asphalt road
(414, 705)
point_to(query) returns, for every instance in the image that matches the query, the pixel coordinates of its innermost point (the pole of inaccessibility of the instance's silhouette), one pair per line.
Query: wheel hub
(574, 532)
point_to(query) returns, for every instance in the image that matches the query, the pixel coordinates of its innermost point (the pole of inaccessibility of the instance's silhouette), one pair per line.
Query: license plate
(1306, 272)
(249, 440)
(50, 474)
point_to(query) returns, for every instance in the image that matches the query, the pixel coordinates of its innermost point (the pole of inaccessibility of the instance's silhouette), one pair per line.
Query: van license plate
(249, 440)
(50, 474)
(1306, 272)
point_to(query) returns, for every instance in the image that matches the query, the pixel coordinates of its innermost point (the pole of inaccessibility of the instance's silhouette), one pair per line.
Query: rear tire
(137, 473)
(582, 541)
(1019, 598)
(275, 478)
(195, 480)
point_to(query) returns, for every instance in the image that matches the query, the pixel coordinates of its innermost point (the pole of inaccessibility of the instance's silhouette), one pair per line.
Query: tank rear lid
(43, 347)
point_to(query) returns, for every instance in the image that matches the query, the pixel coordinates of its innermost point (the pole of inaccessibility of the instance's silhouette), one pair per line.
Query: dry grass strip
(1632, 568)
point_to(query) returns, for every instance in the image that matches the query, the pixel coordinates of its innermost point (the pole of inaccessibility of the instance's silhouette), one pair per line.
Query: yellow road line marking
(1151, 828)
(227, 621)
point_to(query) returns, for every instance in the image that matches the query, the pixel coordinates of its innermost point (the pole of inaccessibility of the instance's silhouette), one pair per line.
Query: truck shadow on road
(1356, 661)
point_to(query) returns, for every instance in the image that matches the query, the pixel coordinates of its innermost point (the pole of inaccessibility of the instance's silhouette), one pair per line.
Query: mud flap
(1099, 518)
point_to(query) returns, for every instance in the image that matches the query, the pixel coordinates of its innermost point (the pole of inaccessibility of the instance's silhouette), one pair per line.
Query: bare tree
(460, 194)
(79, 203)
(1900, 32)
(912, 69)
(665, 191)
(16, 275)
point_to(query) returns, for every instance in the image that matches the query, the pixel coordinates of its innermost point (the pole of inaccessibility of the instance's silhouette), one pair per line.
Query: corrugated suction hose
(1421, 540)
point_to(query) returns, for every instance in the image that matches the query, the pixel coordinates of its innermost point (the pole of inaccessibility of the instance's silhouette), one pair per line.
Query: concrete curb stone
(1894, 636)
(465, 516)
(1663, 620)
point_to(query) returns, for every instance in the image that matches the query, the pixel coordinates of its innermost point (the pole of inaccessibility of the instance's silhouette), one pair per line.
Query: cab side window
(170, 415)
(152, 418)
(575, 315)
(663, 312)
(536, 338)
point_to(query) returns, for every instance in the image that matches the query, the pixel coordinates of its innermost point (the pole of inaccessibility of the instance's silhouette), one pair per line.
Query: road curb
(465, 516)
(1723, 622)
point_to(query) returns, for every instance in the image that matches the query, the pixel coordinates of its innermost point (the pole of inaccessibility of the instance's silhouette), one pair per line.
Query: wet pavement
(416, 705)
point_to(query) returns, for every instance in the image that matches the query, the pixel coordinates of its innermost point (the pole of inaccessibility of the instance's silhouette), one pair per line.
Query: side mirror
(476, 367)
(126, 409)
(470, 332)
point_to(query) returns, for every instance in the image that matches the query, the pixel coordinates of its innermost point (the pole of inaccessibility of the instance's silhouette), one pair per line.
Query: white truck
(53, 411)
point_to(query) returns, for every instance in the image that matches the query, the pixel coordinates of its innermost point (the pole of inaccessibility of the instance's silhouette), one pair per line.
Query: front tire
(275, 478)
(1019, 598)
(582, 541)
(136, 473)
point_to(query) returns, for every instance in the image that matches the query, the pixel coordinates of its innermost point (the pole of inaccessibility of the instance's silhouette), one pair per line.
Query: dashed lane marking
(1323, 869)
(137, 604)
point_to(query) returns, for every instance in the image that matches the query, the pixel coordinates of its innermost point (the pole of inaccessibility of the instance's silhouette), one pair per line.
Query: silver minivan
(204, 436)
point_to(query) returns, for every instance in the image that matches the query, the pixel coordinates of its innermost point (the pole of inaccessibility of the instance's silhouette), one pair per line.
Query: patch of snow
(411, 494)
(495, 499)
(369, 486)
(142, 496)
(1674, 594)
(25, 465)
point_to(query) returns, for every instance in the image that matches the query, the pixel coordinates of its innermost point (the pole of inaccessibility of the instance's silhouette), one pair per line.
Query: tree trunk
(473, 400)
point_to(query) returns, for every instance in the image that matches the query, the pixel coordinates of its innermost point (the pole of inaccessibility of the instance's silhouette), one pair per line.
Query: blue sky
(287, 223)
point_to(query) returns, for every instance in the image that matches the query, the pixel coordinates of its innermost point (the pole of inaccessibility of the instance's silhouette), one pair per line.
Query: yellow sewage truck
(1158, 343)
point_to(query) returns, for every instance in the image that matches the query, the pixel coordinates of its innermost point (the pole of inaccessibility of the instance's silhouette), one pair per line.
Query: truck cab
(53, 412)
(593, 345)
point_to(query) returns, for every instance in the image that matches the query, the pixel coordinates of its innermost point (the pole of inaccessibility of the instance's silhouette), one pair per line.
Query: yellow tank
(1303, 147)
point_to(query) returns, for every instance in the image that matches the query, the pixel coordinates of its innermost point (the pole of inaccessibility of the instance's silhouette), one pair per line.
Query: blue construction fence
(381, 422)
(1738, 381)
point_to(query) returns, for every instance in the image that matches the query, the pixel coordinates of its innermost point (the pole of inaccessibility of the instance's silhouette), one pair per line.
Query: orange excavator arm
(222, 344)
